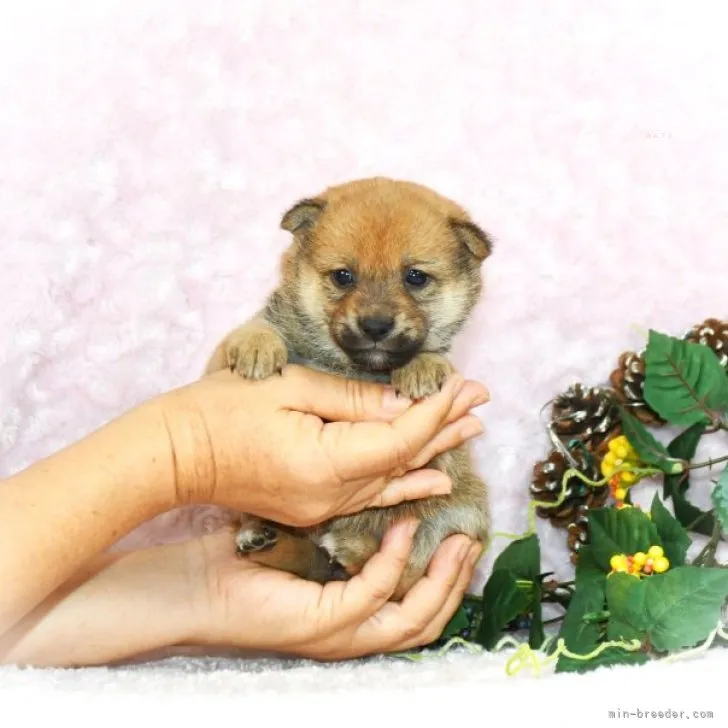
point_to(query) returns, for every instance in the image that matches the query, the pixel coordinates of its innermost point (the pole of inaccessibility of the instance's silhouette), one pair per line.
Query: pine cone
(585, 413)
(578, 535)
(712, 333)
(628, 381)
(546, 487)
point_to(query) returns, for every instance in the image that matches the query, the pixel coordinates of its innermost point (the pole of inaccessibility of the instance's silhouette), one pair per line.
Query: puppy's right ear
(303, 215)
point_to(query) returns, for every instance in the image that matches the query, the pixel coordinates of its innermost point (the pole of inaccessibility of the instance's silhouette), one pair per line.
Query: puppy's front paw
(255, 536)
(256, 354)
(423, 376)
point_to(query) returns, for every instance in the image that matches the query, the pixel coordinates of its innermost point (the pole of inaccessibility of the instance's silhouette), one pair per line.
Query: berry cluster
(641, 564)
(620, 456)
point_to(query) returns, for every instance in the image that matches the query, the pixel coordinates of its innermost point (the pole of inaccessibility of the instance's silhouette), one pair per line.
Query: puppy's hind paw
(255, 537)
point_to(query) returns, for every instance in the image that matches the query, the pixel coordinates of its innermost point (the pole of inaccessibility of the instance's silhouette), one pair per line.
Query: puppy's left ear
(303, 215)
(477, 241)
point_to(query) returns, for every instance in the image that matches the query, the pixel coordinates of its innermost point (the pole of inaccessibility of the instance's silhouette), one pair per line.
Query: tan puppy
(380, 276)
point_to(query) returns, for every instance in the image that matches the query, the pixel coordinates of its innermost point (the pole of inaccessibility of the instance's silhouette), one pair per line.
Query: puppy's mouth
(380, 356)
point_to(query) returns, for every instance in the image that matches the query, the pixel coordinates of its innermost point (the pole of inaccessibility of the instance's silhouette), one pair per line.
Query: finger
(338, 399)
(396, 624)
(412, 486)
(473, 394)
(435, 628)
(428, 596)
(365, 449)
(374, 585)
(448, 438)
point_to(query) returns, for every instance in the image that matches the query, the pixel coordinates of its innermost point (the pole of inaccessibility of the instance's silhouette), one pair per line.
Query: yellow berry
(621, 451)
(629, 478)
(639, 559)
(661, 565)
(620, 494)
(618, 562)
(655, 552)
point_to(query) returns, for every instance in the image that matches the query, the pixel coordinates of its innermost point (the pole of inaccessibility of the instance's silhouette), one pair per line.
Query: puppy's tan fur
(378, 229)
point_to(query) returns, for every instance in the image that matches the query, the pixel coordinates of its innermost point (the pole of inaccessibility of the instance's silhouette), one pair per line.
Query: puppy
(380, 276)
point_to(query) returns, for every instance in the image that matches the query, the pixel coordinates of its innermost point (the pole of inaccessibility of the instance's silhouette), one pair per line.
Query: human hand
(304, 446)
(246, 605)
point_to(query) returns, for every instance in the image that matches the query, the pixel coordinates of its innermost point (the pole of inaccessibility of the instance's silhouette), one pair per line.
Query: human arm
(218, 441)
(198, 593)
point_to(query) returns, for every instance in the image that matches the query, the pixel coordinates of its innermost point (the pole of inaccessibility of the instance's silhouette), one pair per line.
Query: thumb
(340, 399)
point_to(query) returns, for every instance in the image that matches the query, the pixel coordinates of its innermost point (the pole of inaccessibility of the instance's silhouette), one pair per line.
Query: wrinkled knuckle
(381, 592)
(356, 397)
(403, 451)
(413, 630)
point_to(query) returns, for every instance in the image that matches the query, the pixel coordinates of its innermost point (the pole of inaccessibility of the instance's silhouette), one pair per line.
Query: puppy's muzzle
(376, 328)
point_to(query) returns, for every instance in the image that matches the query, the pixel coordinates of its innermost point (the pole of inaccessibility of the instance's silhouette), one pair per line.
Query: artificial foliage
(635, 596)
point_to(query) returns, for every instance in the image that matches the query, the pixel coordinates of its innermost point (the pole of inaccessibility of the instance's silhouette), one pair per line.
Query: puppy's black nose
(376, 328)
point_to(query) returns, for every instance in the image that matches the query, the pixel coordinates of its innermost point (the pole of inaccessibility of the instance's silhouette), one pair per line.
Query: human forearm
(120, 607)
(64, 510)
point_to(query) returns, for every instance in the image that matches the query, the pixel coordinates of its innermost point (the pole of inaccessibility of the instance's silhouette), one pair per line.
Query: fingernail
(476, 551)
(482, 396)
(472, 428)
(394, 404)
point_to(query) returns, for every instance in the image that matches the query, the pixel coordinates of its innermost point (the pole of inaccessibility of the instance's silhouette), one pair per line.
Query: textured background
(147, 151)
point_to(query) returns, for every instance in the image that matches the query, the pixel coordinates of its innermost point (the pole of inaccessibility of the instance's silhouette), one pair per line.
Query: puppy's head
(380, 270)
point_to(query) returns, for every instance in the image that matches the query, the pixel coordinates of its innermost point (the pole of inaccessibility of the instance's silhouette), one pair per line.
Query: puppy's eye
(343, 278)
(416, 278)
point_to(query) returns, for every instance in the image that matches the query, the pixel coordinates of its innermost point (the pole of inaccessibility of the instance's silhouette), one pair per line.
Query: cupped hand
(246, 605)
(304, 446)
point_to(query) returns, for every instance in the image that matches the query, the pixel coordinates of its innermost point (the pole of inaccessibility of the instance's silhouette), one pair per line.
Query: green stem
(707, 555)
(708, 463)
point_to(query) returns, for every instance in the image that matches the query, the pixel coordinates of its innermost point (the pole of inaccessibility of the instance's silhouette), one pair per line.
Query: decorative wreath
(635, 596)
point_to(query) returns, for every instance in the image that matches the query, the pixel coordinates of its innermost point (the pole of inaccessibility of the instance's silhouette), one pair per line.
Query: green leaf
(626, 605)
(675, 540)
(684, 446)
(719, 498)
(503, 601)
(521, 557)
(683, 605)
(458, 622)
(692, 517)
(581, 636)
(651, 451)
(624, 531)
(684, 381)
(536, 635)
